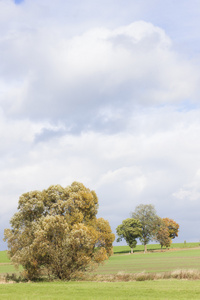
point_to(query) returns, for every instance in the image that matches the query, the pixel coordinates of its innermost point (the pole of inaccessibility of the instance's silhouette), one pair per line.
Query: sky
(105, 93)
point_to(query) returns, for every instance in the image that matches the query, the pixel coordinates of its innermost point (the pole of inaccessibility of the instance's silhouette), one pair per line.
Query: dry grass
(121, 276)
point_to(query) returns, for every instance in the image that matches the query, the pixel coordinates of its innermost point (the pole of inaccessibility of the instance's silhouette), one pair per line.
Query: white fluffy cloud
(82, 79)
(115, 107)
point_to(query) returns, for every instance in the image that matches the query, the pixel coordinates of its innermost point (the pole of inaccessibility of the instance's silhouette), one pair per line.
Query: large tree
(56, 232)
(148, 218)
(130, 230)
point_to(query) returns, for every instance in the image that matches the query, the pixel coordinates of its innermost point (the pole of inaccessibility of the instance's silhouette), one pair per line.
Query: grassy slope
(5, 264)
(152, 262)
(168, 289)
(4, 257)
(152, 247)
(160, 289)
(184, 257)
(138, 262)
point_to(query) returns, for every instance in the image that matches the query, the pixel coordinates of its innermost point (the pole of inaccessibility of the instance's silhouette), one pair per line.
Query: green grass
(164, 289)
(4, 269)
(120, 262)
(5, 264)
(4, 257)
(152, 262)
(153, 247)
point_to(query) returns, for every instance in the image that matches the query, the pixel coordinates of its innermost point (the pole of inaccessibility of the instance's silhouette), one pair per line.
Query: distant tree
(56, 231)
(162, 234)
(172, 226)
(148, 218)
(130, 230)
(167, 230)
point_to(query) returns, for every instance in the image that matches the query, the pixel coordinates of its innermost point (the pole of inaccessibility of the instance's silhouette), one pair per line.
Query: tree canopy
(172, 226)
(166, 231)
(130, 230)
(162, 234)
(148, 218)
(56, 232)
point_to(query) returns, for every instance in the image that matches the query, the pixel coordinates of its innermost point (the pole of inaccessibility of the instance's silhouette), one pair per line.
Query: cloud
(147, 164)
(110, 102)
(90, 80)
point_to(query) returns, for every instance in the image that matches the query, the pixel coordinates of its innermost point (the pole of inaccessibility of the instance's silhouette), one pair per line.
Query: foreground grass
(121, 262)
(164, 289)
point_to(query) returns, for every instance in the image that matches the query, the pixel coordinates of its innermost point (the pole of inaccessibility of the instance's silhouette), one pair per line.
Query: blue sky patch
(18, 1)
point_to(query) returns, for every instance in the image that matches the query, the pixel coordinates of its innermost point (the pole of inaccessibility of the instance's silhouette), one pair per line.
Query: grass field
(152, 262)
(186, 257)
(4, 257)
(153, 247)
(5, 264)
(164, 289)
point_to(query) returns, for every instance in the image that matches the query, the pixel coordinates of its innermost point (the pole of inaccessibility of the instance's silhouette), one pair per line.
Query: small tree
(162, 234)
(166, 231)
(56, 231)
(172, 226)
(130, 230)
(148, 218)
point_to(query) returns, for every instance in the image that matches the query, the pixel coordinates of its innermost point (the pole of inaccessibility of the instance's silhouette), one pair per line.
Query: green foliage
(130, 230)
(56, 232)
(148, 218)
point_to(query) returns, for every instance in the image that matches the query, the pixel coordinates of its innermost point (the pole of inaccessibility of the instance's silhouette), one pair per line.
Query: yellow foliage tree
(172, 226)
(56, 232)
(167, 230)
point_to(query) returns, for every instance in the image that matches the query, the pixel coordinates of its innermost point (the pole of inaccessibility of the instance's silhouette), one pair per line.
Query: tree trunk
(145, 248)
(131, 250)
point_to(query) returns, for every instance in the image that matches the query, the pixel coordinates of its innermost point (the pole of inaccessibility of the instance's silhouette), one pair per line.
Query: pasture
(182, 257)
(164, 289)
(152, 262)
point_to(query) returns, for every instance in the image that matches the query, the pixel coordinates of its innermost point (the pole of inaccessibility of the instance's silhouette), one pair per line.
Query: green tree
(130, 230)
(148, 218)
(56, 232)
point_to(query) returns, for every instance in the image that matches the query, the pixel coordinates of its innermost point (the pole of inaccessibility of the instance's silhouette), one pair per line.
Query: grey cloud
(48, 134)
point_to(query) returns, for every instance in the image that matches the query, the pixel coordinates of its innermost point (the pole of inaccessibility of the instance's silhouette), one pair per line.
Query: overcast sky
(105, 93)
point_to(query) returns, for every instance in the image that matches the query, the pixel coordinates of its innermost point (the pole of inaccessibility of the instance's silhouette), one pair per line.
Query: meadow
(180, 257)
(164, 289)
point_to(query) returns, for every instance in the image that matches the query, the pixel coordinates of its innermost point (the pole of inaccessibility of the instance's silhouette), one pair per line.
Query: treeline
(146, 226)
(56, 233)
